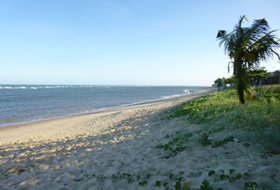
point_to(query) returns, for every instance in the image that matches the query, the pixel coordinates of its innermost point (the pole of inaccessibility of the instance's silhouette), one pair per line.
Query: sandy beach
(116, 149)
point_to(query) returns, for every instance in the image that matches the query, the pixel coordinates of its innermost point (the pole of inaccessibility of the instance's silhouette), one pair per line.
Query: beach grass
(259, 119)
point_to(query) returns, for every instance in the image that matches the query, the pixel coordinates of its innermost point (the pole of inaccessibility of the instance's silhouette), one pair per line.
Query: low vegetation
(258, 122)
(176, 145)
(260, 117)
(176, 182)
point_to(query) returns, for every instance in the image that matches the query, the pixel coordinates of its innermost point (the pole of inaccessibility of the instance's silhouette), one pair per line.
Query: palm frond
(264, 47)
(276, 54)
(221, 33)
(241, 20)
(258, 28)
(226, 39)
(231, 62)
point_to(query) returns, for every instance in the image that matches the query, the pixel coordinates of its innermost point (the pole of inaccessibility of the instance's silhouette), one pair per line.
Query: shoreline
(18, 133)
(46, 118)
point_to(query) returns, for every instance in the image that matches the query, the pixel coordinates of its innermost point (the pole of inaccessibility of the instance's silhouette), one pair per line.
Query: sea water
(30, 103)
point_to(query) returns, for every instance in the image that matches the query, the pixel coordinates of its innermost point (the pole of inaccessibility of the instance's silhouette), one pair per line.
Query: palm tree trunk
(239, 77)
(240, 94)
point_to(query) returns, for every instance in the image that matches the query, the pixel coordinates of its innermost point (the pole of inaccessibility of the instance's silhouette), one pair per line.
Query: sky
(124, 42)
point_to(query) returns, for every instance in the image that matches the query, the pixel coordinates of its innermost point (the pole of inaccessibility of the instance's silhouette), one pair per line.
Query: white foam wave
(172, 96)
(186, 91)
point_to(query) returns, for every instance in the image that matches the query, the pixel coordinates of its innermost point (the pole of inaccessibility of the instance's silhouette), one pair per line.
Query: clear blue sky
(124, 42)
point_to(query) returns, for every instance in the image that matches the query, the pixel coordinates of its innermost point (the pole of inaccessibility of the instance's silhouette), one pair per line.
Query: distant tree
(247, 47)
(218, 82)
(230, 80)
(257, 73)
(227, 81)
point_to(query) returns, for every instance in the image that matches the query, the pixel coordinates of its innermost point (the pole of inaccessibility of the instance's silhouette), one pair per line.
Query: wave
(34, 87)
(186, 91)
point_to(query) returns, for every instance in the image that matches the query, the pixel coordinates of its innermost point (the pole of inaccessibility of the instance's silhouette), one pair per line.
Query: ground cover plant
(257, 122)
(177, 181)
(176, 145)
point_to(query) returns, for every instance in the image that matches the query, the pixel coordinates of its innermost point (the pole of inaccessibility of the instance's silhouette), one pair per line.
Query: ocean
(21, 104)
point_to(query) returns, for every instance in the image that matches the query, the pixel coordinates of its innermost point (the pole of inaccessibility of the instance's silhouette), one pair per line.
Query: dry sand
(94, 151)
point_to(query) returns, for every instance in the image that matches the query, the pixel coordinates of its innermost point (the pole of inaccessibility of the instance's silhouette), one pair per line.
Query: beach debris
(18, 171)
(235, 140)
(273, 152)
(77, 180)
(186, 183)
(246, 144)
(4, 154)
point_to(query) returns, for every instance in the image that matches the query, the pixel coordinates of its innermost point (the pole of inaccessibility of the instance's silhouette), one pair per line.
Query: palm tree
(247, 47)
